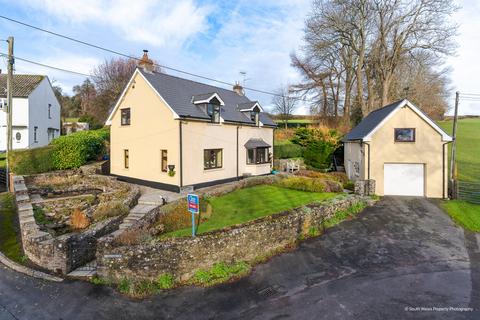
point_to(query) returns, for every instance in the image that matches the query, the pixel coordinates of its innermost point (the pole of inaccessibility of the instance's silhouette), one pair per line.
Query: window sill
(213, 169)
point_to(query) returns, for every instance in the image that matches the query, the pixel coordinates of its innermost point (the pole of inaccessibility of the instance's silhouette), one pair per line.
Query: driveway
(397, 257)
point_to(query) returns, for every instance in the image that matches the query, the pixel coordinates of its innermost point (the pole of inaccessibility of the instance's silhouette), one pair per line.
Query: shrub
(75, 150)
(31, 161)
(175, 216)
(286, 151)
(165, 281)
(349, 185)
(220, 272)
(110, 209)
(311, 184)
(304, 184)
(79, 220)
(318, 154)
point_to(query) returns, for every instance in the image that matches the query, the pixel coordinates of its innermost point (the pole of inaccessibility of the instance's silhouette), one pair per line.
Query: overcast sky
(213, 38)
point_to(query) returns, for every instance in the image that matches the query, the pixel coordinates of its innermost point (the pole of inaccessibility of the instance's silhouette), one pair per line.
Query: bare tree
(284, 105)
(363, 44)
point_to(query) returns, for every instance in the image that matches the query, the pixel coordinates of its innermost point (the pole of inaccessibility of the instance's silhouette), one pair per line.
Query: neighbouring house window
(35, 129)
(257, 155)
(126, 159)
(164, 161)
(50, 134)
(213, 110)
(212, 158)
(125, 116)
(49, 111)
(404, 135)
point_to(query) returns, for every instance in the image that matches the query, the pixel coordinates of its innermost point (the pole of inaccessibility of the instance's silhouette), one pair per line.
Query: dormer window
(213, 110)
(210, 103)
(252, 110)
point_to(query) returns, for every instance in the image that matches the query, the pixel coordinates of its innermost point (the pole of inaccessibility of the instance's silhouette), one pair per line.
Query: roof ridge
(205, 84)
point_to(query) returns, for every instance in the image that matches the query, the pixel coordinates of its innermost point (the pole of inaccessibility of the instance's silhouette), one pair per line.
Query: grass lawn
(8, 235)
(468, 147)
(464, 213)
(252, 203)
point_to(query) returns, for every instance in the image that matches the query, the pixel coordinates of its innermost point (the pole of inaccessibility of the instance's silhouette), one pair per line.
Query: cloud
(158, 23)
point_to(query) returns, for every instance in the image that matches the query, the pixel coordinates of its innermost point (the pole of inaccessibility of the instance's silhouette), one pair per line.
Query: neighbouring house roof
(256, 143)
(180, 95)
(365, 129)
(23, 84)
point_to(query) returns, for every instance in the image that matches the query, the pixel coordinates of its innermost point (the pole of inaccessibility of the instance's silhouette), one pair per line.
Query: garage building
(402, 149)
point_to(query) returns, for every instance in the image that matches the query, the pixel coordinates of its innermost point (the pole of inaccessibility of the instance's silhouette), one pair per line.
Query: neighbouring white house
(36, 112)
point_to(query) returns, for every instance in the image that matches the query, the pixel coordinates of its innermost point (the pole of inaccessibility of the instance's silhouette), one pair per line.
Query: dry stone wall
(67, 252)
(247, 242)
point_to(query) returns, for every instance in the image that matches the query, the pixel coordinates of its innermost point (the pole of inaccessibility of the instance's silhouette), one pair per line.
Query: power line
(138, 59)
(46, 65)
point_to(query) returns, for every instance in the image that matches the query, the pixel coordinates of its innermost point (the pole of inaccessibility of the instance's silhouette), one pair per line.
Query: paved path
(401, 253)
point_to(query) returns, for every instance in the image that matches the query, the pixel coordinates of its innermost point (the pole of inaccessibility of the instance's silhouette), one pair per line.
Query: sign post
(193, 207)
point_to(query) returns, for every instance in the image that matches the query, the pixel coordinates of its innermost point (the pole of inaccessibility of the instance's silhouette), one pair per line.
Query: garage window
(404, 134)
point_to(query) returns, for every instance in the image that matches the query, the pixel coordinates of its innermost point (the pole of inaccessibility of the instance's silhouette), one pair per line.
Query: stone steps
(137, 213)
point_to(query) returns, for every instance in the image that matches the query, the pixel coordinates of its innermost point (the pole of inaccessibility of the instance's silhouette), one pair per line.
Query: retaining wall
(247, 242)
(64, 253)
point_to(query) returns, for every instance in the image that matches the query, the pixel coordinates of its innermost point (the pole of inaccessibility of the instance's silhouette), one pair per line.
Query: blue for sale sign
(193, 203)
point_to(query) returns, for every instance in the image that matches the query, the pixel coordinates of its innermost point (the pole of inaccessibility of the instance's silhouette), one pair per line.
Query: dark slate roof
(178, 93)
(23, 84)
(203, 96)
(248, 105)
(256, 143)
(371, 121)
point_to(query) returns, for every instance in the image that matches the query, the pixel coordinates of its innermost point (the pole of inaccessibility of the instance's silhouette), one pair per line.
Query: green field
(468, 160)
(252, 203)
(468, 147)
(295, 121)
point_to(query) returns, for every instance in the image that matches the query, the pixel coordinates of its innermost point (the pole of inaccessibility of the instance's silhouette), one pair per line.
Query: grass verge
(9, 241)
(220, 272)
(464, 213)
(144, 288)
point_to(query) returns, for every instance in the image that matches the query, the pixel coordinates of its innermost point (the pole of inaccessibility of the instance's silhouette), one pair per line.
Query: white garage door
(403, 179)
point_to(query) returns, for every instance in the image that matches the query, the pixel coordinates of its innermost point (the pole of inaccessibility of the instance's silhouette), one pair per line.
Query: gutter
(237, 151)
(367, 144)
(181, 154)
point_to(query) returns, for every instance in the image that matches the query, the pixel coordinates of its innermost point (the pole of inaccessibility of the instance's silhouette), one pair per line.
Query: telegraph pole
(453, 166)
(10, 63)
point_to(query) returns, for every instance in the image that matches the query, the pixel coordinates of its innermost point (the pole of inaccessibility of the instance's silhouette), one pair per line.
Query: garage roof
(367, 127)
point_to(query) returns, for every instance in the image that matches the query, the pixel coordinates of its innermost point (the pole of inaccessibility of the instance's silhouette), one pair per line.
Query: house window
(404, 135)
(126, 159)
(212, 158)
(35, 129)
(125, 116)
(164, 161)
(50, 134)
(257, 155)
(49, 111)
(213, 110)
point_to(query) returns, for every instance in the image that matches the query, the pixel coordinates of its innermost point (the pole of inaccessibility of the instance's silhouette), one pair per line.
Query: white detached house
(36, 112)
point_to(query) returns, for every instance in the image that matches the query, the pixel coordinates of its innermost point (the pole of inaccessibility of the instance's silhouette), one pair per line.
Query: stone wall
(67, 252)
(364, 187)
(183, 256)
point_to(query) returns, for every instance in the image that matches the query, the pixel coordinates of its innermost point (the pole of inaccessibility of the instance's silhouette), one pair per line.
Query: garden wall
(247, 242)
(67, 252)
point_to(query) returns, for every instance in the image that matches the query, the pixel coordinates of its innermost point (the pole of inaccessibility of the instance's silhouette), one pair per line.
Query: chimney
(238, 89)
(146, 63)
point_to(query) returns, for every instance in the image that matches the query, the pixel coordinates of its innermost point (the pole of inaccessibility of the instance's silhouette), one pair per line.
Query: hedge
(286, 151)
(65, 152)
(31, 161)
